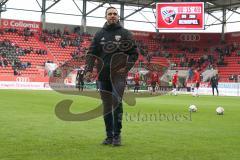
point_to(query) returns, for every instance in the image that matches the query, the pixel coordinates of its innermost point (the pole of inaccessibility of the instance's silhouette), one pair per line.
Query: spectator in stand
(233, 77)
(214, 84)
(1, 61)
(16, 72)
(63, 44)
(77, 30)
(59, 33)
(66, 30)
(27, 32)
(175, 83)
(44, 52)
(5, 62)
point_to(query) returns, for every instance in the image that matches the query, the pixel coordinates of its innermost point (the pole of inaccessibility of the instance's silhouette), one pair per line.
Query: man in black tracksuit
(214, 84)
(80, 80)
(114, 50)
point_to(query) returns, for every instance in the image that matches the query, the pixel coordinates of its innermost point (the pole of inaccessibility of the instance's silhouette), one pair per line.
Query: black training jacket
(114, 48)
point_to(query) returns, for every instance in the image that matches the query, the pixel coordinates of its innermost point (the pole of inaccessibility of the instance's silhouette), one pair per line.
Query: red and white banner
(188, 15)
(20, 24)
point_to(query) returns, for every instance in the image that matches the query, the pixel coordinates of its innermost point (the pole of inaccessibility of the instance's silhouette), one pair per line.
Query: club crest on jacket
(117, 37)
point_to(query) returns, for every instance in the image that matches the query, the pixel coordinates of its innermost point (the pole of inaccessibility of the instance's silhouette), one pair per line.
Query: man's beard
(112, 22)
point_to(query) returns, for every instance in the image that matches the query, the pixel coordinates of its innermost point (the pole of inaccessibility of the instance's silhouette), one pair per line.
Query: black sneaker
(107, 141)
(116, 141)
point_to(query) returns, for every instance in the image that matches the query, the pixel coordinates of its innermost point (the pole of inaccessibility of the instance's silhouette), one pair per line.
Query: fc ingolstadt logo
(168, 14)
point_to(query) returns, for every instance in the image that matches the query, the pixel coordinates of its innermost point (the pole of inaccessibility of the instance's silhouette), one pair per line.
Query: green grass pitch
(30, 130)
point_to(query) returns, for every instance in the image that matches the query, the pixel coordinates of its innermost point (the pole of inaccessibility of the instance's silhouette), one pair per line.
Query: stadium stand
(176, 51)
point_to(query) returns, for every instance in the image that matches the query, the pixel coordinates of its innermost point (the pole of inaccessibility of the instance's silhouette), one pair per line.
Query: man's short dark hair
(111, 7)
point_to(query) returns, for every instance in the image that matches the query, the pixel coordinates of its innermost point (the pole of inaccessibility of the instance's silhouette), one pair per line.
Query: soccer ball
(220, 110)
(192, 108)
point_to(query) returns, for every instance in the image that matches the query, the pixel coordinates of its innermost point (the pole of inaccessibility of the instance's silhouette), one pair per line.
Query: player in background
(175, 83)
(136, 80)
(196, 80)
(214, 83)
(154, 82)
(80, 79)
